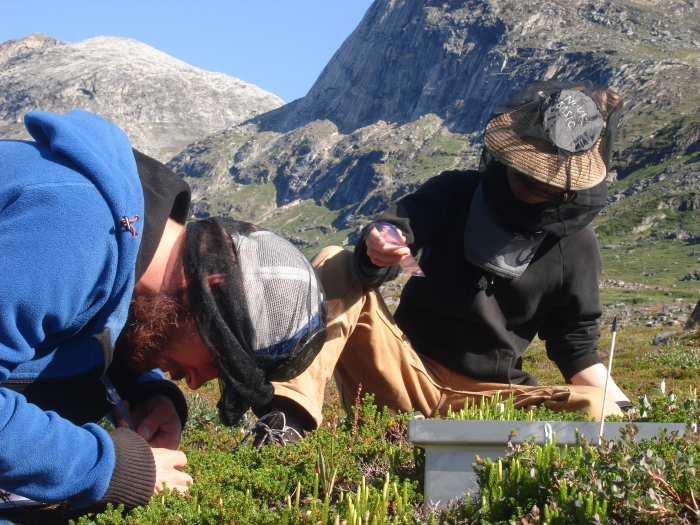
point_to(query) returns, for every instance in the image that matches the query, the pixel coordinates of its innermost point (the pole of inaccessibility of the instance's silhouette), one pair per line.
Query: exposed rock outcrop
(162, 103)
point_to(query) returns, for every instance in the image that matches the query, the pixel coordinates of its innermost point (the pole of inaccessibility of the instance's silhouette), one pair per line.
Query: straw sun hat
(559, 133)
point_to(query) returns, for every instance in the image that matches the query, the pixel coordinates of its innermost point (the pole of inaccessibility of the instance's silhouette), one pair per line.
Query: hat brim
(506, 138)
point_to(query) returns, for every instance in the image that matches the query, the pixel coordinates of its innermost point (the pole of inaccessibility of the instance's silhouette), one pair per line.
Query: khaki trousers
(365, 346)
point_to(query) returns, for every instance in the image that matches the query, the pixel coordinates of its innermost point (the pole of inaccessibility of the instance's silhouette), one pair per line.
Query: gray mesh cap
(258, 305)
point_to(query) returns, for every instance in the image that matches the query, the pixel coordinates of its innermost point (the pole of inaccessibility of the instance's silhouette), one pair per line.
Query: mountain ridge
(497, 46)
(162, 103)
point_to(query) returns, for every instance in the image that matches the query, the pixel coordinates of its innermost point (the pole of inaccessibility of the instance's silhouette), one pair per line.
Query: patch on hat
(571, 120)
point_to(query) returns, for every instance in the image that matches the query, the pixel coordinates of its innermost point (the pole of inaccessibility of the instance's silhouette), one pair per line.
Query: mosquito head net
(258, 306)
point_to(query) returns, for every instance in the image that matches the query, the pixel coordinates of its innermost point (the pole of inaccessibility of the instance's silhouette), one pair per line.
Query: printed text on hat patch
(571, 120)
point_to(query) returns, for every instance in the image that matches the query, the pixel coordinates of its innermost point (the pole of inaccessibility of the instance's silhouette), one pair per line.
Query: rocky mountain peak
(15, 49)
(162, 103)
(458, 60)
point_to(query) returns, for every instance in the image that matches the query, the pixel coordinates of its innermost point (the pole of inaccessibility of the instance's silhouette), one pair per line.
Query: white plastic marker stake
(390, 233)
(114, 398)
(613, 329)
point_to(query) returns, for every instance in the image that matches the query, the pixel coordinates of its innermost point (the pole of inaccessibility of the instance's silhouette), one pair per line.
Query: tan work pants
(365, 346)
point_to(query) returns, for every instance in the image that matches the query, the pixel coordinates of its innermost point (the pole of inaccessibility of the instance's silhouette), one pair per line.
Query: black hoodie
(479, 324)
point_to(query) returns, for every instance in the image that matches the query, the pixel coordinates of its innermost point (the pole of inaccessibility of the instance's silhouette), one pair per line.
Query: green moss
(251, 202)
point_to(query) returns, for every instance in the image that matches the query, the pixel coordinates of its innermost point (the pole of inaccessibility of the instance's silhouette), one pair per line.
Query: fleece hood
(102, 152)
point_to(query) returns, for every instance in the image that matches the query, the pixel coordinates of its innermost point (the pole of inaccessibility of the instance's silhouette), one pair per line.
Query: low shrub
(673, 357)
(359, 469)
(356, 468)
(621, 481)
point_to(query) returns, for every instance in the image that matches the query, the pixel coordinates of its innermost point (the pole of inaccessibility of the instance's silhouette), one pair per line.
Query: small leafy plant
(669, 407)
(621, 481)
(497, 409)
(673, 356)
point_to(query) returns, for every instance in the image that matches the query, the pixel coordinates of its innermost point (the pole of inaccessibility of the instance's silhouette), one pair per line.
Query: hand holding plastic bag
(392, 240)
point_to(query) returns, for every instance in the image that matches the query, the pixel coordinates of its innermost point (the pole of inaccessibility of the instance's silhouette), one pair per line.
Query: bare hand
(384, 253)
(157, 422)
(168, 465)
(596, 375)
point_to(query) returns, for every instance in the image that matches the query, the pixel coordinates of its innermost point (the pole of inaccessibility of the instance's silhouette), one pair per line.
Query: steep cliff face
(162, 103)
(409, 92)
(458, 60)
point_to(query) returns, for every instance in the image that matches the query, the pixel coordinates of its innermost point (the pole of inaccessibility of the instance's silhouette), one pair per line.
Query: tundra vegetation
(359, 468)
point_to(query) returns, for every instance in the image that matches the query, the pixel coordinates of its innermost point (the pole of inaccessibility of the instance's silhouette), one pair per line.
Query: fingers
(167, 435)
(168, 465)
(385, 253)
(160, 425)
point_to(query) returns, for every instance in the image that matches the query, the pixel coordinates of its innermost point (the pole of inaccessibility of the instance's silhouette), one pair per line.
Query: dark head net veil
(258, 306)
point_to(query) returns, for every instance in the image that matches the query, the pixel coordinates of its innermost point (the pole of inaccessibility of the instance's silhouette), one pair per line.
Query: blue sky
(279, 45)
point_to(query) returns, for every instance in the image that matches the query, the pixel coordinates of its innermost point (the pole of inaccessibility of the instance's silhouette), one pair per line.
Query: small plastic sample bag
(391, 234)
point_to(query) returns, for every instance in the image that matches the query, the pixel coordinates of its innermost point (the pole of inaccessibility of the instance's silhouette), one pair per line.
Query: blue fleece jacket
(66, 274)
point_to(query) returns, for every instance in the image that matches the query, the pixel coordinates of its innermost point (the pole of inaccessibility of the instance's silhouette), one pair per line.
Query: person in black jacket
(508, 254)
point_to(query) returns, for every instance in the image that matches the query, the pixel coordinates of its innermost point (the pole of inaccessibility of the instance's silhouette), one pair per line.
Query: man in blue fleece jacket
(97, 275)
(75, 206)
